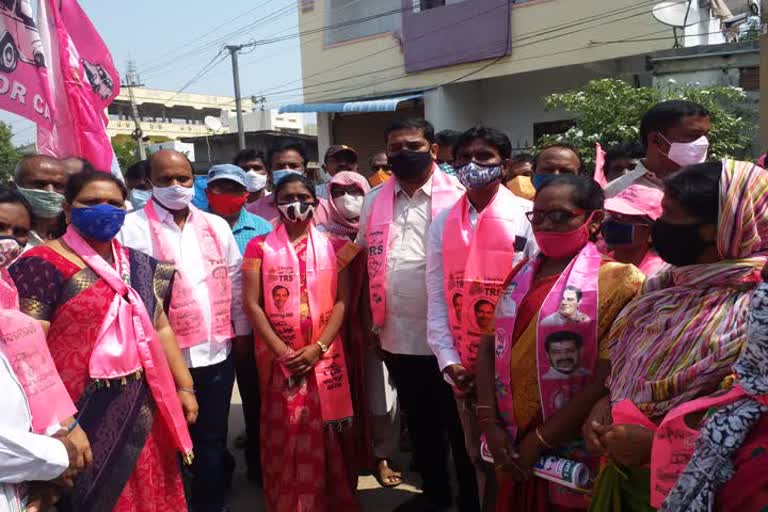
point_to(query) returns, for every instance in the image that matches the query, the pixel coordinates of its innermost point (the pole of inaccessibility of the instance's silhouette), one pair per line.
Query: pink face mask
(558, 245)
(688, 153)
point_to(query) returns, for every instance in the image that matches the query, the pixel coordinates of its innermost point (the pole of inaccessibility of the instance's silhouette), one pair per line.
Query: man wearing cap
(338, 158)
(627, 230)
(227, 194)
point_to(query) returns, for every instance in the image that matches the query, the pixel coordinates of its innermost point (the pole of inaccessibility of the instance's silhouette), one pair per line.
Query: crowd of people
(503, 307)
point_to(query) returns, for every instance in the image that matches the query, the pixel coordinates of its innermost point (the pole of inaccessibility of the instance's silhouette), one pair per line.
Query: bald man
(75, 165)
(41, 180)
(169, 228)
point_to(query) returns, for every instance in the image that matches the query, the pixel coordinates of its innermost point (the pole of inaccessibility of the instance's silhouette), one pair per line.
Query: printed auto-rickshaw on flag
(23, 67)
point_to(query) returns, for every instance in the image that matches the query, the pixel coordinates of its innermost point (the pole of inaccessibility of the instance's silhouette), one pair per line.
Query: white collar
(425, 188)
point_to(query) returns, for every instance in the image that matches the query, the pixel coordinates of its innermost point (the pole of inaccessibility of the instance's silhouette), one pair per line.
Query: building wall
(515, 103)
(545, 34)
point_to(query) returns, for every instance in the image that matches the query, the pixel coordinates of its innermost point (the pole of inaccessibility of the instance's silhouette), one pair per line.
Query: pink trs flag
(23, 74)
(82, 81)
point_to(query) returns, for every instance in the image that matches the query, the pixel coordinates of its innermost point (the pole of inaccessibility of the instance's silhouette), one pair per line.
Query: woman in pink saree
(296, 289)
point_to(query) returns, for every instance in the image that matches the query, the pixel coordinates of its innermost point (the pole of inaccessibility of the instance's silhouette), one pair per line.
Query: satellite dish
(673, 14)
(212, 123)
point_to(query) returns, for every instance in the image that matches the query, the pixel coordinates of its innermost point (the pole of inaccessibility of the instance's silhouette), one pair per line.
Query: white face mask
(688, 153)
(175, 197)
(349, 206)
(256, 181)
(296, 211)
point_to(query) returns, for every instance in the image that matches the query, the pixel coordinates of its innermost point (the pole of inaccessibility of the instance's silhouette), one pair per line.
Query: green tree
(9, 155)
(608, 111)
(126, 151)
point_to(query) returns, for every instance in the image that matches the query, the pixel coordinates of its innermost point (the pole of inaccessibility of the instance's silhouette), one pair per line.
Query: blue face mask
(139, 198)
(282, 173)
(617, 233)
(540, 179)
(101, 222)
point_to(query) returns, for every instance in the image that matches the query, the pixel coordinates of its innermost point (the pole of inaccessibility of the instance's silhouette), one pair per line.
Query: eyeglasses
(559, 216)
(382, 167)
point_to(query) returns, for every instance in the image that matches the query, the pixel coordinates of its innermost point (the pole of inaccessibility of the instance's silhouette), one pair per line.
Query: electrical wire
(185, 45)
(378, 81)
(200, 74)
(478, 70)
(175, 60)
(515, 39)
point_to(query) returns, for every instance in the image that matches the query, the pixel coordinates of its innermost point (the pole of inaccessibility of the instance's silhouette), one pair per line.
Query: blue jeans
(212, 468)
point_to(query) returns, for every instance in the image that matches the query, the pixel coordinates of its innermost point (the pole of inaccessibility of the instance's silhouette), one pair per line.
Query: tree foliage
(608, 111)
(126, 151)
(9, 155)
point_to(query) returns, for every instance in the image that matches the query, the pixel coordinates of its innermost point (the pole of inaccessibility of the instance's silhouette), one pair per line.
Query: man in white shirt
(674, 135)
(210, 362)
(27, 457)
(424, 396)
(481, 154)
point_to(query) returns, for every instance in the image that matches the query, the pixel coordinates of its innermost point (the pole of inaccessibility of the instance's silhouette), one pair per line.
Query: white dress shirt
(640, 175)
(439, 335)
(186, 250)
(24, 456)
(405, 325)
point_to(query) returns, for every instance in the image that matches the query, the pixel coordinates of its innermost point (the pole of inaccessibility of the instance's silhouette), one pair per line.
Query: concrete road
(246, 497)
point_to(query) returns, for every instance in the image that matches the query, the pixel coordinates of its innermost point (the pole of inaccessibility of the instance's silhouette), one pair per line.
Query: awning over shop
(380, 105)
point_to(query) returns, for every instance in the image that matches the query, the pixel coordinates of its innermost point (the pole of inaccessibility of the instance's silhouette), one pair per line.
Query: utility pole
(238, 99)
(131, 81)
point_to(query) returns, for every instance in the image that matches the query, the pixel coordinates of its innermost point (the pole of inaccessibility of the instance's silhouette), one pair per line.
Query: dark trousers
(211, 469)
(248, 384)
(434, 425)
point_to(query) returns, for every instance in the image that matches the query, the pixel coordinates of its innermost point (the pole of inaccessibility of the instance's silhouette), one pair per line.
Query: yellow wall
(371, 76)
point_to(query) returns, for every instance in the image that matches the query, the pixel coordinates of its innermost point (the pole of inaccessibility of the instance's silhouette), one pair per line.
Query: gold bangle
(542, 440)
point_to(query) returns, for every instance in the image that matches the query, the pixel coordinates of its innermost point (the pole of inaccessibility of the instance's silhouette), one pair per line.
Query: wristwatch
(323, 348)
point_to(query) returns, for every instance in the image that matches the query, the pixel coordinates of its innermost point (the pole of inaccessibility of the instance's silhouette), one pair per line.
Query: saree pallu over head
(680, 337)
(566, 342)
(280, 269)
(445, 192)
(127, 341)
(695, 480)
(475, 264)
(185, 312)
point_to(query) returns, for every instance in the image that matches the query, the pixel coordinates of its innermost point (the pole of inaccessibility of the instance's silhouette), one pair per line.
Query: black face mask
(617, 233)
(408, 165)
(678, 245)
